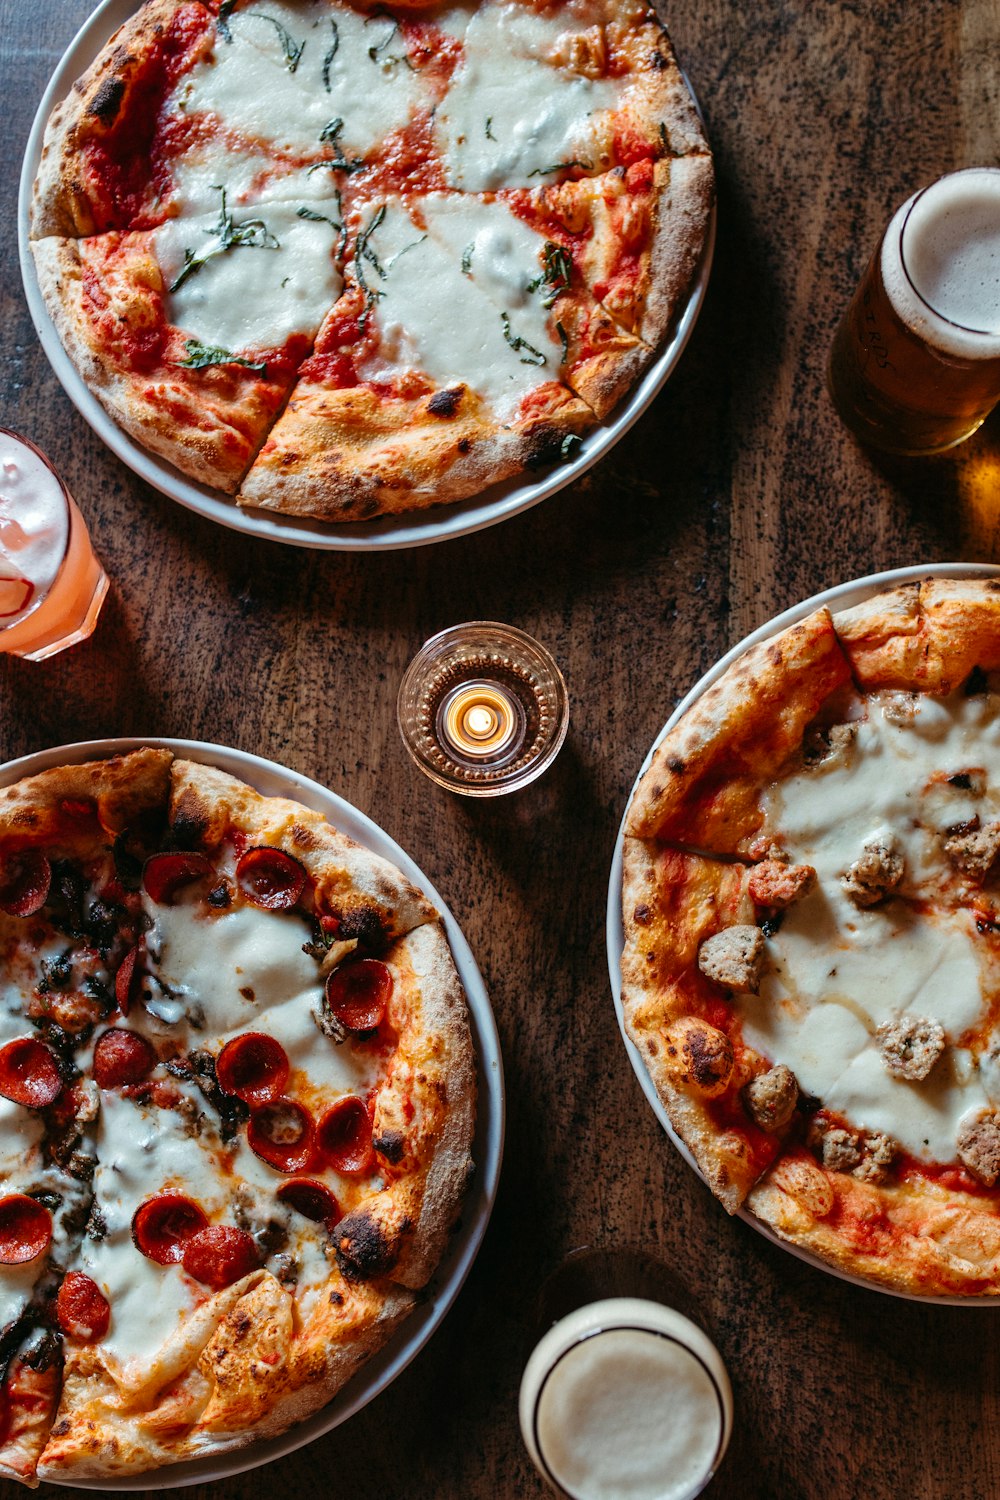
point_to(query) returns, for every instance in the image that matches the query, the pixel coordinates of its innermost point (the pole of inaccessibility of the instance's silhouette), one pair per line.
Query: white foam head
(941, 263)
(626, 1400)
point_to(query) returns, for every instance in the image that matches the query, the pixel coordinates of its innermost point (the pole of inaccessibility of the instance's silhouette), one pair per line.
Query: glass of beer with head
(915, 363)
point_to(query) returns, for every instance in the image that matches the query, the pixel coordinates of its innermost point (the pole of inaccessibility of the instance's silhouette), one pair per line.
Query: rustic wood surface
(736, 495)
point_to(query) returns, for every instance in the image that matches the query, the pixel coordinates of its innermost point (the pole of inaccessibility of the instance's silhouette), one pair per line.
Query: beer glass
(915, 363)
(52, 585)
(624, 1396)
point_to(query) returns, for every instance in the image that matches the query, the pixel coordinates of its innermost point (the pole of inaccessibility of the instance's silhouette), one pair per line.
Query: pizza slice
(191, 334)
(931, 636)
(421, 388)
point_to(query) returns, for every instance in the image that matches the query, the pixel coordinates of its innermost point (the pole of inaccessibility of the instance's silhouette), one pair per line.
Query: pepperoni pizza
(811, 968)
(342, 260)
(237, 1098)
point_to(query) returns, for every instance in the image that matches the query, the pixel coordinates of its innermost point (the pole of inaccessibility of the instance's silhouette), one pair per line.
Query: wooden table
(736, 495)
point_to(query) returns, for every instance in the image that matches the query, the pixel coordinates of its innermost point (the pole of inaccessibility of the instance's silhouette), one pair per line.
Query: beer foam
(34, 518)
(941, 263)
(626, 1400)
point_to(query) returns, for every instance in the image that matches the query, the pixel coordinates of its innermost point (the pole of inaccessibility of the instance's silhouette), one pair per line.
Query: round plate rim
(841, 596)
(435, 1301)
(388, 534)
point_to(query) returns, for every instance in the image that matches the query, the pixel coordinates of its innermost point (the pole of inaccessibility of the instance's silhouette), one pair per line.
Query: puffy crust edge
(122, 788)
(206, 801)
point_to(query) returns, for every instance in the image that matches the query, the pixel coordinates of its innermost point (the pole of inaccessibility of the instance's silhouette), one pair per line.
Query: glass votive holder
(483, 709)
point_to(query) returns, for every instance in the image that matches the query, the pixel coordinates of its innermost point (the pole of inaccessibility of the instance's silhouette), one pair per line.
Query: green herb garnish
(564, 340)
(364, 252)
(557, 268)
(569, 442)
(329, 136)
(293, 51)
(252, 234)
(489, 133)
(467, 258)
(533, 357)
(200, 356)
(317, 218)
(328, 59)
(378, 53)
(560, 166)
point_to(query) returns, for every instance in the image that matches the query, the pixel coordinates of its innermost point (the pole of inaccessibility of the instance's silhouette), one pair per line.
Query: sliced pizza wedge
(191, 334)
(931, 636)
(421, 387)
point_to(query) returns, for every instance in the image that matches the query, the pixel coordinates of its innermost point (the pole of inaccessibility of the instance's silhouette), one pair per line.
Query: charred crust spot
(61, 1428)
(390, 1144)
(675, 765)
(220, 896)
(363, 924)
(658, 61)
(643, 915)
(445, 403)
(362, 1249)
(543, 449)
(975, 683)
(708, 1060)
(107, 101)
(189, 823)
(962, 780)
(464, 446)
(336, 1299)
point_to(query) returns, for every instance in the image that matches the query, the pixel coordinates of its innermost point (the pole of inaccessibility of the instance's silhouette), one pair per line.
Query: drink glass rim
(67, 502)
(628, 1327)
(942, 317)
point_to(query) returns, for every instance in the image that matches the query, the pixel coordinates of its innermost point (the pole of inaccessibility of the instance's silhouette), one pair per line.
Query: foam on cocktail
(941, 264)
(34, 527)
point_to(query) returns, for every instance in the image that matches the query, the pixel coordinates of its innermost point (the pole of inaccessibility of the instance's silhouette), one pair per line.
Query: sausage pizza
(812, 935)
(340, 260)
(237, 1097)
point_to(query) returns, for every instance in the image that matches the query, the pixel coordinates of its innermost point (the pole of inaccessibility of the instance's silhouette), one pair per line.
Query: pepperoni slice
(29, 1074)
(122, 1056)
(82, 1309)
(24, 883)
(344, 1136)
(220, 1255)
(358, 993)
(162, 1226)
(254, 1067)
(164, 875)
(25, 1229)
(311, 1199)
(282, 1133)
(270, 878)
(127, 980)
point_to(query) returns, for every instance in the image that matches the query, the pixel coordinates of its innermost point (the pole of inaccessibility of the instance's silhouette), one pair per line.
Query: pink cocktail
(52, 585)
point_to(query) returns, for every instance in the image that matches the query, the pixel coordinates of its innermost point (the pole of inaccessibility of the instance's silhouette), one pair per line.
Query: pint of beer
(915, 363)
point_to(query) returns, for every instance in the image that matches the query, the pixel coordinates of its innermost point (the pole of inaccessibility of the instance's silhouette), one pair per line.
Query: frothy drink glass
(51, 584)
(915, 363)
(625, 1398)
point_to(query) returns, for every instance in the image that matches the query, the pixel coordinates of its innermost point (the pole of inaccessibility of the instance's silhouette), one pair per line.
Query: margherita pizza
(237, 1097)
(812, 935)
(342, 260)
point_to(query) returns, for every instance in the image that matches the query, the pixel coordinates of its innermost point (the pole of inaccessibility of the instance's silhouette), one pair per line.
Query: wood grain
(737, 494)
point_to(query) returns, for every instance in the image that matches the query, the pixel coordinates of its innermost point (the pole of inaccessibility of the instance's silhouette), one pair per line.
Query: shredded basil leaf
(557, 268)
(252, 234)
(364, 252)
(222, 19)
(329, 136)
(533, 357)
(200, 356)
(564, 340)
(569, 442)
(489, 133)
(467, 258)
(328, 59)
(378, 53)
(560, 166)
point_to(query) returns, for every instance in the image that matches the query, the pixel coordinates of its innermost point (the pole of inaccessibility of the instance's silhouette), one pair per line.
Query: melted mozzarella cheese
(511, 114)
(495, 250)
(351, 69)
(252, 296)
(837, 972)
(231, 965)
(434, 319)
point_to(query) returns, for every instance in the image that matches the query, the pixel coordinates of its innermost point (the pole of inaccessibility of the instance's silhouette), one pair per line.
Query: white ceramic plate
(842, 597)
(388, 534)
(277, 781)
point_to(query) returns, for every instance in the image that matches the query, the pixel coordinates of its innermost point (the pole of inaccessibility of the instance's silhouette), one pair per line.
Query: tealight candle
(482, 709)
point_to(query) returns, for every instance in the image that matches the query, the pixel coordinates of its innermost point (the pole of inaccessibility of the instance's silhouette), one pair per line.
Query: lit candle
(480, 719)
